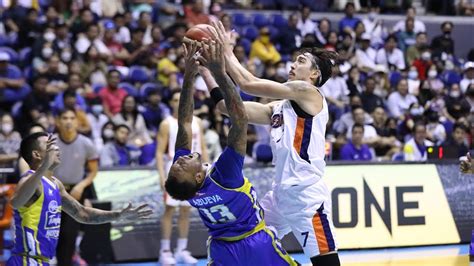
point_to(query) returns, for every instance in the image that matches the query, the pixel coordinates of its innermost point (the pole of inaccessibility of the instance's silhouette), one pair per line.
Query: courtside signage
(389, 205)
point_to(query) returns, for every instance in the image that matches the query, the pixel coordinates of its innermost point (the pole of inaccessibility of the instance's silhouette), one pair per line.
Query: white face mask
(172, 57)
(97, 109)
(205, 123)
(47, 52)
(417, 111)
(426, 56)
(455, 94)
(49, 36)
(109, 133)
(372, 16)
(432, 74)
(413, 74)
(66, 56)
(7, 128)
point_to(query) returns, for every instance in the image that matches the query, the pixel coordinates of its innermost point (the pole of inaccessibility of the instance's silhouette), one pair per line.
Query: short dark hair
(323, 60)
(445, 23)
(65, 110)
(349, 4)
(421, 33)
(391, 37)
(358, 125)
(355, 107)
(29, 144)
(180, 189)
(69, 93)
(117, 127)
(459, 126)
(113, 70)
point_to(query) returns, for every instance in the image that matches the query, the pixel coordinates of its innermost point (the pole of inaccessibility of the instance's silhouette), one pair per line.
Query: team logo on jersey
(277, 120)
(53, 216)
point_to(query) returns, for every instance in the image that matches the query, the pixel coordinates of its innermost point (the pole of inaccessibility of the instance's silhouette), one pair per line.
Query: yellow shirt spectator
(264, 50)
(165, 68)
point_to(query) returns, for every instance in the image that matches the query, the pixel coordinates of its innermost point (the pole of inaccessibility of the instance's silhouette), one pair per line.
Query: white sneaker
(184, 256)
(166, 258)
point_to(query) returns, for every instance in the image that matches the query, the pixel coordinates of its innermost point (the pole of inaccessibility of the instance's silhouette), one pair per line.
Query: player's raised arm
(186, 101)
(214, 56)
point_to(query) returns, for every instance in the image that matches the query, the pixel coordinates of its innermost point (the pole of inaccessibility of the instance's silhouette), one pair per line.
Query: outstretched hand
(213, 55)
(220, 35)
(52, 152)
(131, 214)
(191, 55)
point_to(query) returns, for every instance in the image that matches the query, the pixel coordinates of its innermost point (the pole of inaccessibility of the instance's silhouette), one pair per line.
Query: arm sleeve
(228, 169)
(179, 153)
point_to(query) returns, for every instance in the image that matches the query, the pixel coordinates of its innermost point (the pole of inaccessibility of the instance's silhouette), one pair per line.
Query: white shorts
(169, 201)
(305, 211)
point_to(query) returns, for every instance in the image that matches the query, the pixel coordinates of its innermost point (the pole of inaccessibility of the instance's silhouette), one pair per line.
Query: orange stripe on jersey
(320, 235)
(298, 134)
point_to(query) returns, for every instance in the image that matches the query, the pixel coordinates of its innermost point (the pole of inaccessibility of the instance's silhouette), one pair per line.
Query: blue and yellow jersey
(227, 202)
(37, 226)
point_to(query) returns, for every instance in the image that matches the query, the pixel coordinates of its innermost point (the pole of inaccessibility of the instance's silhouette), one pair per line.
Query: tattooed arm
(88, 215)
(237, 138)
(186, 100)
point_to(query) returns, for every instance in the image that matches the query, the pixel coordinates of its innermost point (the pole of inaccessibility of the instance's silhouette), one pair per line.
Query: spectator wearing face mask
(413, 81)
(355, 149)
(97, 119)
(444, 43)
(468, 78)
(456, 104)
(9, 141)
(374, 26)
(432, 81)
(167, 68)
(263, 49)
(423, 63)
(107, 133)
(435, 131)
(456, 141)
(415, 148)
(390, 55)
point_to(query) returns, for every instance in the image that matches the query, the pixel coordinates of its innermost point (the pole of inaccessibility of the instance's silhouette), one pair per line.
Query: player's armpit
(257, 113)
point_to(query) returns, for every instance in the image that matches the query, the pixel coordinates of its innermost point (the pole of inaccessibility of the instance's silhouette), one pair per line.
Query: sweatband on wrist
(216, 95)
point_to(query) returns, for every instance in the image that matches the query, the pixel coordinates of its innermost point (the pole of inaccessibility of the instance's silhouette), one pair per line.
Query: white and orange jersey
(298, 144)
(173, 133)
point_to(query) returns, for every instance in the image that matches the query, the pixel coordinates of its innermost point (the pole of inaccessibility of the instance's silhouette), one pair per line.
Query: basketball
(199, 32)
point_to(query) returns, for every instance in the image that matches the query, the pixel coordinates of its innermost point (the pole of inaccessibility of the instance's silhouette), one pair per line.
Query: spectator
(29, 29)
(413, 81)
(263, 48)
(77, 172)
(92, 38)
(470, 97)
(112, 96)
(211, 139)
(418, 25)
(433, 84)
(415, 148)
(167, 69)
(154, 111)
(348, 23)
(322, 32)
(157, 45)
(108, 133)
(305, 24)
(36, 103)
(93, 69)
(456, 142)
(382, 83)
(414, 52)
(144, 23)
(123, 33)
(9, 141)
(407, 38)
(466, 7)
(457, 105)
(119, 55)
(51, 17)
(390, 55)
(353, 82)
(330, 44)
(129, 116)
(444, 43)
(374, 27)
(70, 102)
(86, 18)
(370, 101)
(435, 131)
(12, 84)
(74, 84)
(355, 149)
(62, 42)
(365, 55)
(97, 120)
(336, 92)
(195, 14)
(423, 63)
(370, 136)
(13, 15)
(118, 152)
(227, 23)
(468, 78)
(387, 144)
(139, 53)
(399, 101)
(290, 36)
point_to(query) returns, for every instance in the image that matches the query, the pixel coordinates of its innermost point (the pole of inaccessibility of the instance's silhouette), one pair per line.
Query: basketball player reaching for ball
(226, 200)
(299, 201)
(38, 200)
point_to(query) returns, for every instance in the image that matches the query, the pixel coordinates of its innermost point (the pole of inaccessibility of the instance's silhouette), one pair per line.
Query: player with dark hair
(226, 200)
(38, 200)
(300, 201)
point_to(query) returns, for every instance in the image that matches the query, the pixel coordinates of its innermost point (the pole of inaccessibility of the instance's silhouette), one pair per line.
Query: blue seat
(147, 156)
(274, 32)
(278, 21)
(451, 77)
(247, 44)
(260, 20)
(12, 53)
(240, 20)
(262, 152)
(398, 157)
(28, 73)
(25, 56)
(138, 74)
(250, 32)
(131, 90)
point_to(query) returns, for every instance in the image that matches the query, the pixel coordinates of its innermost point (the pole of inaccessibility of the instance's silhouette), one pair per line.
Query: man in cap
(468, 76)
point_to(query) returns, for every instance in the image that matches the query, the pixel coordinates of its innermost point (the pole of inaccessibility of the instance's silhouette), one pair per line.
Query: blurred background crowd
(394, 93)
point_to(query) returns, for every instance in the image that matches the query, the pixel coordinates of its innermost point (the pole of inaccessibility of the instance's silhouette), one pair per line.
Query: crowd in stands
(392, 94)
